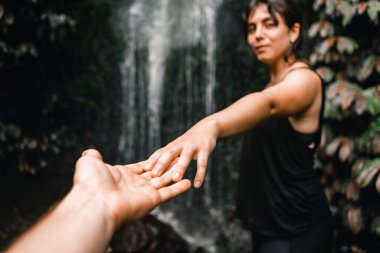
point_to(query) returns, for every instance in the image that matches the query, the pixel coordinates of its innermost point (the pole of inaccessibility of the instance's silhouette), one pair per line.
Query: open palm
(127, 191)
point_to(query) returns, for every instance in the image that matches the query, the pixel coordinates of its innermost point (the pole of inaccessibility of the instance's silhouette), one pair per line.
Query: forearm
(240, 116)
(79, 224)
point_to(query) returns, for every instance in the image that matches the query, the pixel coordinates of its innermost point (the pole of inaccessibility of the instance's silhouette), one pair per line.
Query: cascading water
(169, 78)
(142, 73)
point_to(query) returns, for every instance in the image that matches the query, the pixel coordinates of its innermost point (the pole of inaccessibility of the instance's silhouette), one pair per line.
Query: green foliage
(368, 66)
(347, 56)
(30, 154)
(373, 10)
(369, 140)
(30, 32)
(26, 27)
(58, 59)
(372, 95)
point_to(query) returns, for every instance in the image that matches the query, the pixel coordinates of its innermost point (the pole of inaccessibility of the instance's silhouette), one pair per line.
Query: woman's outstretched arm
(297, 95)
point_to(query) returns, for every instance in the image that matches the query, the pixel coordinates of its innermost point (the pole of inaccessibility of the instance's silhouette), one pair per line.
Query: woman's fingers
(135, 167)
(183, 163)
(152, 160)
(165, 160)
(174, 190)
(202, 160)
(147, 175)
(163, 180)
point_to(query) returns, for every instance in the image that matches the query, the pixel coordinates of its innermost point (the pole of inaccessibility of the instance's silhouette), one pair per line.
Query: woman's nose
(259, 33)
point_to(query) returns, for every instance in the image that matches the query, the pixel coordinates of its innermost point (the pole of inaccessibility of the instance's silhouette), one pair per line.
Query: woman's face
(269, 41)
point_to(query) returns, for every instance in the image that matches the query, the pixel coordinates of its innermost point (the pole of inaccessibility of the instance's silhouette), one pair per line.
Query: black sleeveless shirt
(279, 191)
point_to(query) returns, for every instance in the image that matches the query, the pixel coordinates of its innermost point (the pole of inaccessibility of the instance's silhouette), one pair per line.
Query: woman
(281, 200)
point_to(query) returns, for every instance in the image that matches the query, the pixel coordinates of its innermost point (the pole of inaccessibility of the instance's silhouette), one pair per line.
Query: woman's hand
(196, 144)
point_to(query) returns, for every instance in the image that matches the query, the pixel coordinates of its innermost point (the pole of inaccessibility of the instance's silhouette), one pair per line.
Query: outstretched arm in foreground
(101, 199)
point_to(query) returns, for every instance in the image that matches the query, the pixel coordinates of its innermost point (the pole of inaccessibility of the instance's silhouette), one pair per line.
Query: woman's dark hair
(289, 10)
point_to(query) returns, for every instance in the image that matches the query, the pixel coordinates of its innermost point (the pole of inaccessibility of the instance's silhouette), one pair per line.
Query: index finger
(152, 160)
(165, 160)
(174, 190)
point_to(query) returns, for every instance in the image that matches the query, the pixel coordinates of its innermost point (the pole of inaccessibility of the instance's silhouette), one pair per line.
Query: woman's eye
(251, 29)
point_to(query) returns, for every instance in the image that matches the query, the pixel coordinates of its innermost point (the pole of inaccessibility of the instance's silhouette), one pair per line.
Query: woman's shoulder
(303, 71)
(300, 65)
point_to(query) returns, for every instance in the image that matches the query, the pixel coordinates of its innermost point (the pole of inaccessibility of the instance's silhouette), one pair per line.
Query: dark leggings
(316, 240)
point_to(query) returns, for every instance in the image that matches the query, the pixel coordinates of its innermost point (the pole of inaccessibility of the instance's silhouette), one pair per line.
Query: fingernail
(176, 176)
(197, 184)
(157, 172)
(148, 166)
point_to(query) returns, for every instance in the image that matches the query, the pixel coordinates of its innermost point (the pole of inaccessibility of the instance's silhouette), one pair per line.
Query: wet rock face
(148, 235)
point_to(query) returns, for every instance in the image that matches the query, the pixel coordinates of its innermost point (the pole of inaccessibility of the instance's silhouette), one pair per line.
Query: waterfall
(169, 78)
(157, 50)
(142, 78)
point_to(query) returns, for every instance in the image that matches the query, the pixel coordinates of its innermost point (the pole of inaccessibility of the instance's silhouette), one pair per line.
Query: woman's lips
(257, 48)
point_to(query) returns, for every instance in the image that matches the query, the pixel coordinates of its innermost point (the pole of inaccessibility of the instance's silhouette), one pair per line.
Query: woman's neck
(278, 70)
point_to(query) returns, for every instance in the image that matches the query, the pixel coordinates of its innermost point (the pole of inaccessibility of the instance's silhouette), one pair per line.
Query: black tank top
(279, 191)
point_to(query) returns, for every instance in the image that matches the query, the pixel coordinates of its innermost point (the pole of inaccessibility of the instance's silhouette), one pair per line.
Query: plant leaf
(352, 191)
(368, 171)
(372, 94)
(330, 7)
(332, 111)
(357, 167)
(333, 90)
(326, 45)
(373, 10)
(317, 4)
(346, 148)
(361, 104)
(376, 144)
(367, 67)
(345, 44)
(313, 58)
(375, 225)
(347, 11)
(326, 73)
(347, 98)
(377, 63)
(369, 133)
(314, 29)
(333, 147)
(326, 29)
(355, 220)
(1, 11)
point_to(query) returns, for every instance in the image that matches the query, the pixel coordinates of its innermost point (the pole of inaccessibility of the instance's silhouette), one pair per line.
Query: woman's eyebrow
(263, 20)
(267, 19)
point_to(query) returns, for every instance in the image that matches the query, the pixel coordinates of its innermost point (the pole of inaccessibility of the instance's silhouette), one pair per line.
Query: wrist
(213, 127)
(87, 207)
(77, 224)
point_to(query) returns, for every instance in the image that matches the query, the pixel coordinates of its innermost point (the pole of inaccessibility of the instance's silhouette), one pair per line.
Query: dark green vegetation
(58, 69)
(58, 73)
(347, 56)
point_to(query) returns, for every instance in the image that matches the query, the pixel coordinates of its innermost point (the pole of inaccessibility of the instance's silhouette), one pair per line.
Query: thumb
(93, 153)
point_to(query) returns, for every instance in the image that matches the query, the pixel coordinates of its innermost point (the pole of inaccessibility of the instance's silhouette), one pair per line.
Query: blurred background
(128, 76)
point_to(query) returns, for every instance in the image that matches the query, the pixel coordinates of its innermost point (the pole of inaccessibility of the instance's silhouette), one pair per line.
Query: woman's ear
(295, 32)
